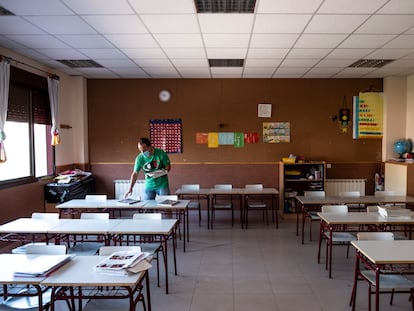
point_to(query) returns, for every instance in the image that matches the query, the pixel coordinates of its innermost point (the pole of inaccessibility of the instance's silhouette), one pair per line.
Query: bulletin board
(166, 134)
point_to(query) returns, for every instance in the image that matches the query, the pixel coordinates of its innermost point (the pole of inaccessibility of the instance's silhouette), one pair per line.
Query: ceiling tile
(7, 43)
(189, 53)
(85, 41)
(308, 53)
(365, 41)
(291, 70)
(273, 40)
(132, 40)
(35, 7)
(116, 63)
(298, 62)
(357, 71)
(226, 23)
(13, 25)
(62, 53)
(252, 62)
(324, 70)
(144, 53)
(401, 42)
(398, 7)
(226, 40)
(351, 6)
(387, 24)
(39, 41)
(99, 73)
(130, 72)
(291, 6)
(226, 53)
(61, 24)
(335, 23)
(258, 72)
(401, 63)
(197, 62)
(267, 53)
(155, 62)
(194, 70)
(33, 54)
(319, 41)
(226, 70)
(162, 6)
(179, 40)
(103, 53)
(162, 72)
(390, 53)
(349, 53)
(325, 63)
(98, 7)
(116, 24)
(279, 23)
(174, 23)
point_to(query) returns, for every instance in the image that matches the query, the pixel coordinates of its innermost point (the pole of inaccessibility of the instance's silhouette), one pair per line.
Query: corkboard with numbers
(166, 134)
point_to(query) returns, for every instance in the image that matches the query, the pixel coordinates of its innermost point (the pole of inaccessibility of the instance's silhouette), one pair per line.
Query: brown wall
(120, 110)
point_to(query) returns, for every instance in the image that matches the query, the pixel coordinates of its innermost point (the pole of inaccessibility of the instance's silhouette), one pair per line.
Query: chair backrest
(349, 194)
(108, 250)
(49, 249)
(254, 187)
(102, 216)
(375, 236)
(166, 197)
(96, 197)
(147, 216)
(338, 209)
(223, 186)
(45, 215)
(372, 209)
(384, 193)
(190, 187)
(314, 194)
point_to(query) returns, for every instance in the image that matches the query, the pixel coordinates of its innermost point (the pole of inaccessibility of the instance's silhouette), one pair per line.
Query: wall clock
(164, 95)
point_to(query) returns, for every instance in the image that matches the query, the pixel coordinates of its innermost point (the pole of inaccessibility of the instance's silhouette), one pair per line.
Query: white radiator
(122, 186)
(335, 186)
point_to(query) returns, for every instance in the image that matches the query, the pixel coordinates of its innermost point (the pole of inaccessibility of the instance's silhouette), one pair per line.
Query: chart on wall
(368, 115)
(235, 139)
(276, 132)
(166, 134)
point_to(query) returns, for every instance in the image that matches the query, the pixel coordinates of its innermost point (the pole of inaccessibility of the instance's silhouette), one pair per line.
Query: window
(28, 124)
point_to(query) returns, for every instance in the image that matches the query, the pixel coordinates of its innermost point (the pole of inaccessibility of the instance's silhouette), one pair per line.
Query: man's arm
(133, 179)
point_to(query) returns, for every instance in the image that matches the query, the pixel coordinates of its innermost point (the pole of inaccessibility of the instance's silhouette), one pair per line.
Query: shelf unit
(295, 178)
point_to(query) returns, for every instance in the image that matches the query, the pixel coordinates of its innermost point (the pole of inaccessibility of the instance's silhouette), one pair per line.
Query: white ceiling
(168, 39)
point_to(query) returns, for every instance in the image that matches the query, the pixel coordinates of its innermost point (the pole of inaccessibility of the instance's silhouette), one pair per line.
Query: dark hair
(144, 140)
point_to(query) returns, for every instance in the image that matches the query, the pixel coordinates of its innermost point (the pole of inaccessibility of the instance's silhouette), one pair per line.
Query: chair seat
(85, 248)
(341, 236)
(222, 205)
(27, 303)
(313, 216)
(22, 249)
(193, 204)
(107, 305)
(257, 205)
(388, 281)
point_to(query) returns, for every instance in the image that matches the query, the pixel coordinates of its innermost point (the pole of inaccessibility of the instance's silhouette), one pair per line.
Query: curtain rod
(10, 59)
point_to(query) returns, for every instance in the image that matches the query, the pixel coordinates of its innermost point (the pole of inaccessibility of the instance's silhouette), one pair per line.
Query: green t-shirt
(159, 160)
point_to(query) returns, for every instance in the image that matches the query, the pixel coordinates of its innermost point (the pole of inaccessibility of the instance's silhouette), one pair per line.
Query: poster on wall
(368, 115)
(166, 135)
(276, 132)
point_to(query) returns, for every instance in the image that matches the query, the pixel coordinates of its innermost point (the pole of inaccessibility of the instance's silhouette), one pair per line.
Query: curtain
(4, 99)
(53, 87)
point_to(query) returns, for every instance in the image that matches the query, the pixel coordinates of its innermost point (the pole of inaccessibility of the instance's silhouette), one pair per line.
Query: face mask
(146, 153)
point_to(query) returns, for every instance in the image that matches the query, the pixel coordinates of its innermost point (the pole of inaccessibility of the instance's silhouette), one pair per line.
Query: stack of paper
(121, 262)
(157, 173)
(168, 202)
(394, 211)
(41, 265)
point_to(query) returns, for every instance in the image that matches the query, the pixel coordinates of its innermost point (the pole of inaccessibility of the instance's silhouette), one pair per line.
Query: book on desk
(121, 262)
(41, 265)
(129, 201)
(168, 202)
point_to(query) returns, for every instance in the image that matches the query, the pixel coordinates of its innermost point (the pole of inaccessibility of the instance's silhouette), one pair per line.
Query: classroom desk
(79, 273)
(353, 222)
(375, 254)
(8, 264)
(306, 202)
(76, 206)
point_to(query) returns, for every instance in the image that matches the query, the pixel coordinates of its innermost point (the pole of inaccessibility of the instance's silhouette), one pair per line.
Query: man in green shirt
(155, 164)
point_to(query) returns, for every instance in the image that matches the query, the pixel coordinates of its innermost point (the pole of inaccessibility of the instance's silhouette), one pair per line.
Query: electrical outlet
(328, 165)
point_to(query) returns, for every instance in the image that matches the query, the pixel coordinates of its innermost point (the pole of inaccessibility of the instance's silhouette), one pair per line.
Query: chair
(352, 194)
(254, 202)
(37, 215)
(389, 283)
(149, 245)
(223, 201)
(87, 245)
(384, 193)
(96, 197)
(194, 203)
(311, 214)
(31, 300)
(339, 236)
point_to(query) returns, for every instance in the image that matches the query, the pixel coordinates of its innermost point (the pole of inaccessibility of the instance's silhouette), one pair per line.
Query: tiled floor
(262, 268)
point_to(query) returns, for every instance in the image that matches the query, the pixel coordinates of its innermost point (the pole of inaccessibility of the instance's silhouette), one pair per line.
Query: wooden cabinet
(295, 178)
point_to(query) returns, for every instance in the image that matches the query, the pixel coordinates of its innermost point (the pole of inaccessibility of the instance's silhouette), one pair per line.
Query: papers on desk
(41, 265)
(394, 211)
(122, 263)
(129, 201)
(167, 202)
(157, 173)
